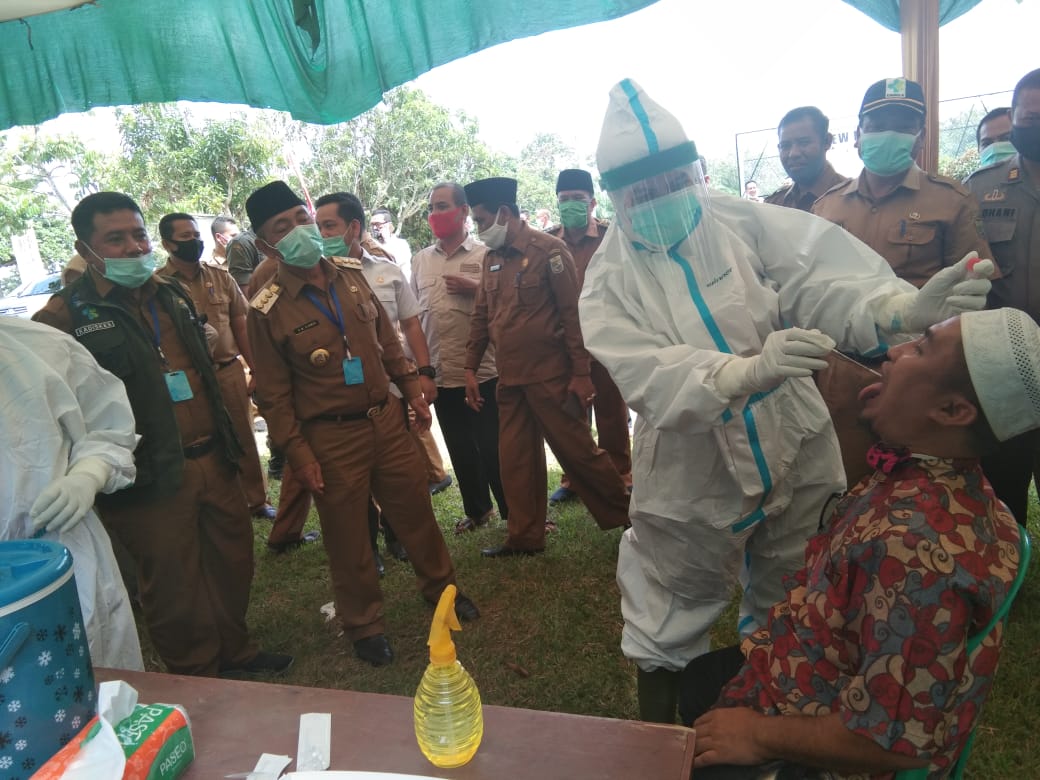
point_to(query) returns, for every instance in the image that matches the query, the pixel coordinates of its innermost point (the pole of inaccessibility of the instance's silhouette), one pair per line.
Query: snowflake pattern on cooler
(59, 716)
(21, 744)
(45, 658)
(6, 762)
(14, 706)
(7, 675)
(76, 631)
(76, 722)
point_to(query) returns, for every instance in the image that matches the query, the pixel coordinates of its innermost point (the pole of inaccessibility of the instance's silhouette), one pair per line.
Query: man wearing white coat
(690, 304)
(68, 434)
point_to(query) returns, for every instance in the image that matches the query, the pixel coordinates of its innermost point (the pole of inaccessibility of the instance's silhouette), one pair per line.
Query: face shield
(664, 211)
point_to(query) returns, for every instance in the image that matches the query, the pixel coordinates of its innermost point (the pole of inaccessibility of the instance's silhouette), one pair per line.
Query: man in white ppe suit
(68, 434)
(710, 313)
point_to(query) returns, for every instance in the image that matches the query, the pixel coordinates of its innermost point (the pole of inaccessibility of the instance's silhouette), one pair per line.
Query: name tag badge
(352, 371)
(177, 384)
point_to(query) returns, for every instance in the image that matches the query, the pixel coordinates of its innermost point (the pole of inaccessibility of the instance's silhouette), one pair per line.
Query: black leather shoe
(375, 650)
(380, 565)
(265, 512)
(262, 663)
(502, 551)
(396, 550)
(283, 547)
(465, 609)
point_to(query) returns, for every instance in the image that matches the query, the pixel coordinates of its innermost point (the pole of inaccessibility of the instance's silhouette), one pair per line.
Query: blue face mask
(302, 247)
(129, 272)
(998, 151)
(666, 221)
(888, 152)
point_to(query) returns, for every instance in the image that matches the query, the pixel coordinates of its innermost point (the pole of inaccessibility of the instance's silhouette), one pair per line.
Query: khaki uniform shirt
(794, 197)
(527, 306)
(195, 415)
(927, 223)
(585, 248)
(298, 352)
(217, 296)
(445, 318)
(1009, 200)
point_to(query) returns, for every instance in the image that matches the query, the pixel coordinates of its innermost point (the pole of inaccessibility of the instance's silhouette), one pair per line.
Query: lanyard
(155, 330)
(337, 318)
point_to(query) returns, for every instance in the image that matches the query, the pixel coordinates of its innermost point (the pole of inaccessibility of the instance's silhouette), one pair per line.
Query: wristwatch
(427, 371)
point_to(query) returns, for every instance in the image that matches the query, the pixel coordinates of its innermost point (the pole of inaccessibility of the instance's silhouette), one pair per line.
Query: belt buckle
(373, 411)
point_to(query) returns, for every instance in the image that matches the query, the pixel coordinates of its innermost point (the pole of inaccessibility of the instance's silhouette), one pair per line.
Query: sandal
(467, 524)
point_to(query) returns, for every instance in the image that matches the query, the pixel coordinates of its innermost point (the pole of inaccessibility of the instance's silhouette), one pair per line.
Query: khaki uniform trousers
(194, 556)
(611, 424)
(232, 380)
(294, 504)
(527, 414)
(374, 455)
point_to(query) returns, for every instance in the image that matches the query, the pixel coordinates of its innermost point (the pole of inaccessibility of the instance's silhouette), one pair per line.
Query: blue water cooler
(46, 679)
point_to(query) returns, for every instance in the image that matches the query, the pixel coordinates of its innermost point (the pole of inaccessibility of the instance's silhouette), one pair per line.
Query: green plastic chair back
(1024, 554)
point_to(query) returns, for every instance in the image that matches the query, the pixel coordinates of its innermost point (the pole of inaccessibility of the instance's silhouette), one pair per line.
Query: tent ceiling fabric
(258, 52)
(886, 12)
(17, 9)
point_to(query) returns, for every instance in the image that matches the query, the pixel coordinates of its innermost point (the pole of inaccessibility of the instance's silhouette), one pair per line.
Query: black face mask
(1027, 141)
(189, 251)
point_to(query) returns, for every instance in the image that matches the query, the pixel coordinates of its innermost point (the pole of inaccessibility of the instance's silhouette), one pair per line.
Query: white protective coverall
(58, 406)
(722, 486)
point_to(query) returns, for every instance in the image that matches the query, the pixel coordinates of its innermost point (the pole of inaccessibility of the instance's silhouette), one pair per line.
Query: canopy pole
(919, 25)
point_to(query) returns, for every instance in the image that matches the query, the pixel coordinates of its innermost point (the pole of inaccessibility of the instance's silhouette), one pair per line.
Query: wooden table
(233, 722)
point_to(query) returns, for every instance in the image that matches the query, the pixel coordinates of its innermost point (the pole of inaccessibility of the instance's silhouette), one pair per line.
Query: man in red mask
(445, 277)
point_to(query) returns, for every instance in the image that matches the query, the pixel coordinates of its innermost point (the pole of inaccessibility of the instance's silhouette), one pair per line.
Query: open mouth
(869, 392)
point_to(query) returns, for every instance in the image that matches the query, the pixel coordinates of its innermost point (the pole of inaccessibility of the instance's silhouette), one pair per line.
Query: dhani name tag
(177, 384)
(352, 371)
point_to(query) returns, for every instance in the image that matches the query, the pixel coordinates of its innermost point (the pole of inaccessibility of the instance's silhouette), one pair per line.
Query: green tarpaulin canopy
(321, 60)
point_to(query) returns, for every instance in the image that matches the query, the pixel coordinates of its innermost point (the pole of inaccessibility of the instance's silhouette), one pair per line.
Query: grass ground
(550, 630)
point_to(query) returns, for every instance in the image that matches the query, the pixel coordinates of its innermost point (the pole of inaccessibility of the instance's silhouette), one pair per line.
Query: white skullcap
(639, 139)
(1002, 350)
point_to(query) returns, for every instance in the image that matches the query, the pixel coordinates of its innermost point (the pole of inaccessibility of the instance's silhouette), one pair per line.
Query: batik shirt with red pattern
(875, 626)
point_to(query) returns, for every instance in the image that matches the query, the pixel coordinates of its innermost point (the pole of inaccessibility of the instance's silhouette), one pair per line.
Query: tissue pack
(156, 739)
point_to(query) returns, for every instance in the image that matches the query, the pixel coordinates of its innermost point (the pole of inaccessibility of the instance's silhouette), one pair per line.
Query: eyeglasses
(379, 224)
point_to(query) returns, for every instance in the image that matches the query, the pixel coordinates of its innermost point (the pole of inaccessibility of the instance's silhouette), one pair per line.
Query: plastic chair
(1024, 554)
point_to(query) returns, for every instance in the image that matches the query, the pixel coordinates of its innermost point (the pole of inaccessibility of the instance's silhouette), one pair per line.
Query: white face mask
(495, 236)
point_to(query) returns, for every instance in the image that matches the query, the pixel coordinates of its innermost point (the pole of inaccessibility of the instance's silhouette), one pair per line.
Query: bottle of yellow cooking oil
(449, 719)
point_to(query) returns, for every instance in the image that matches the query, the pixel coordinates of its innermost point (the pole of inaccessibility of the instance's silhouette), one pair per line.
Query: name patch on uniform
(470, 268)
(82, 330)
(1000, 213)
(305, 326)
(556, 264)
(495, 267)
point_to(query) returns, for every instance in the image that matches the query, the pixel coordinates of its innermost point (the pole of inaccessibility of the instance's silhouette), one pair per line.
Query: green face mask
(335, 246)
(998, 151)
(302, 247)
(888, 152)
(664, 222)
(574, 213)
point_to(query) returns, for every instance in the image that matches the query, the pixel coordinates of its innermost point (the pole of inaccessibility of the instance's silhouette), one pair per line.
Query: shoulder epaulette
(346, 262)
(946, 181)
(266, 298)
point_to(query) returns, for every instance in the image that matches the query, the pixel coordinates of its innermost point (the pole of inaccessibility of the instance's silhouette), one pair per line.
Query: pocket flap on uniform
(998, 230)
(912, 233)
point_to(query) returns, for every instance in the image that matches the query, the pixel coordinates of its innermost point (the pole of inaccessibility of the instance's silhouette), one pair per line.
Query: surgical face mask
(189, 251)
(1027, 141)
(574, 213)
(445, 224)
(998, 151)
(335, 246)
(302, 247)
(495, 236)
(667, 220)
(888, 152)
(129, 272)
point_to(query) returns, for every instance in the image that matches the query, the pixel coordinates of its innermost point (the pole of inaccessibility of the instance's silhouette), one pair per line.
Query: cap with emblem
(494, 191)
(574, 179)
(1002, 350)
(269, 200)
(893, 92)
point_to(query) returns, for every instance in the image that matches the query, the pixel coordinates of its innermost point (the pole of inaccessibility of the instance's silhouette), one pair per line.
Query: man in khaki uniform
(218, 297)
(583, 233)
(919, 222)
(184, 520)
(445, 279)
(1008, 194)
(804, 141)
(527, 306)
(325, 353)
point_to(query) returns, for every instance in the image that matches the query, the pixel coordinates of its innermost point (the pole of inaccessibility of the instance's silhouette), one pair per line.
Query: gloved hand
(66, 500)
(959, 288)
(786, 353)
